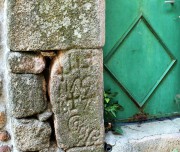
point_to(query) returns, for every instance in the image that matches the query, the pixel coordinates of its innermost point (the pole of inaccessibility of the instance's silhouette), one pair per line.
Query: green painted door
(142, 57)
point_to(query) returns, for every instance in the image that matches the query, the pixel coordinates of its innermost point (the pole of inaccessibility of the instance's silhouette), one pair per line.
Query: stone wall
(51, 82)
(5, 129)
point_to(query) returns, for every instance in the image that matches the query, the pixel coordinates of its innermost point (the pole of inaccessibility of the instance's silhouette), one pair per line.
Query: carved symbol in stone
(93, 138)
(75, 123)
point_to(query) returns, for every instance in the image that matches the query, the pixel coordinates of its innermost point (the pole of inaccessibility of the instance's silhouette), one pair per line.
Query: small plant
(175, 150)
(111, 107)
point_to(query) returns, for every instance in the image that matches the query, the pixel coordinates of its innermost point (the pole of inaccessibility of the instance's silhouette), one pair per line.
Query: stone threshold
(151, 136)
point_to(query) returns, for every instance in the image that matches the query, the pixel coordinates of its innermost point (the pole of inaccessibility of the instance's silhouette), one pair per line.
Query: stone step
(152, 136)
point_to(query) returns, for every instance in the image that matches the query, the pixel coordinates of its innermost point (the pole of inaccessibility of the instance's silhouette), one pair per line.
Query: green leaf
(111, 107)
(107, 100)
(105, 94)
(175, 150)
(113, 113)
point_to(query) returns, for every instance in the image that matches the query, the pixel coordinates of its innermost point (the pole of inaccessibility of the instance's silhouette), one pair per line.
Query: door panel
(141, 56)
(114, 27)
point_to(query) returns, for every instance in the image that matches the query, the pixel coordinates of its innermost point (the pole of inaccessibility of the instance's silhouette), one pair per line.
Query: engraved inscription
(76, 95)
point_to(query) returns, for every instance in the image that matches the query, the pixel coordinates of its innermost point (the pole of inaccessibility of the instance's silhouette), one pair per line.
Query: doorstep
(151, 136)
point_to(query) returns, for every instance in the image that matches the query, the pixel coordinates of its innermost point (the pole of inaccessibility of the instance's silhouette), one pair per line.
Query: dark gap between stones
(46, 74)
(29, 117)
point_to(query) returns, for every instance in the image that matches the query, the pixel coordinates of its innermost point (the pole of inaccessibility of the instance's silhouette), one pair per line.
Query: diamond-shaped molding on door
(135, 62)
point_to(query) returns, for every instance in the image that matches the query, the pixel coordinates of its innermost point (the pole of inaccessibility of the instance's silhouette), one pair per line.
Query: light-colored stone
(49, 54)
(75, 90)
(87, 149)
(157, 143)
(31, 135)
(27, 94)
(2, 119)
(176, 122)
(2, 51)
(53, 148)
(56, 24)
(1, 85)
(25, 62)
(158, 136)
(1, 4)
(44, 116)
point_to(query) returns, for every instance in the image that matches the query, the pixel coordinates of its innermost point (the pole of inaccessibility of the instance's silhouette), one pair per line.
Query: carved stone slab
(55, 24)
(75, 90)
(27, 94)
(23, 62)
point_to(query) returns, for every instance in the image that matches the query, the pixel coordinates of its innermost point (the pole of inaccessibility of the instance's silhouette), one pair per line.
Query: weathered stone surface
(31, 135)
(49, 54)
(53, 148)
(1, 85)
(2, 43)
(159, 143)
(5, 149)
(2, 119)
(1, 4)
(76, 97)
(56, 24)
(25, 62)
(4, 136)
(157, 136)
(44, 116)
(27, 94)
(87, 149)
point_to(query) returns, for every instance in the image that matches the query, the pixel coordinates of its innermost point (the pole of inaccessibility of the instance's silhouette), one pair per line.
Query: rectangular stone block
(56, 24)
(75, 90)
(23, 62)
(31, 134)
(27, 94)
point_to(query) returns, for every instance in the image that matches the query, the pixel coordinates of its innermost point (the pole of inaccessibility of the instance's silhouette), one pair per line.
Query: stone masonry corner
(55, 75)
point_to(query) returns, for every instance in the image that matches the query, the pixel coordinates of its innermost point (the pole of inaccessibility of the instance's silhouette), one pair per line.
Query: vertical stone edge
(101, 11)
(5, 130)
(78, 113)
